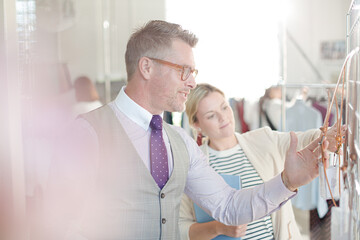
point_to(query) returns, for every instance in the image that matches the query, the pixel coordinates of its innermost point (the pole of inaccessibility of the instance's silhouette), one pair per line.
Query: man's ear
(146, 67)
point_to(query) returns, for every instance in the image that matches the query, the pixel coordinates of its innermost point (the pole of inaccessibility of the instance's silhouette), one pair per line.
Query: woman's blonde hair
(196, 95)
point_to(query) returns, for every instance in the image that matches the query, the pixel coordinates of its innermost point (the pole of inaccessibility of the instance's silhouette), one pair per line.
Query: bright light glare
(238, 49)
(106, 24)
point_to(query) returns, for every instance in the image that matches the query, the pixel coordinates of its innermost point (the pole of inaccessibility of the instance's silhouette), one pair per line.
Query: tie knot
(156, 122)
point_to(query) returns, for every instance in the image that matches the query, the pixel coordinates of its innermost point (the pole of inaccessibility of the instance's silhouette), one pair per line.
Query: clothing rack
(310, 85)
(284, 86)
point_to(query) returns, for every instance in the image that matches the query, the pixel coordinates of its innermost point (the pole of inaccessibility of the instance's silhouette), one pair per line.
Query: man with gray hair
(131, 169)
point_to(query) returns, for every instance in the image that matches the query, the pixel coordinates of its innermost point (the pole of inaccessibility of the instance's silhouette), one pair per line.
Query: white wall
(82, 45)
(311, 22)
(77, 45)
(86, 46)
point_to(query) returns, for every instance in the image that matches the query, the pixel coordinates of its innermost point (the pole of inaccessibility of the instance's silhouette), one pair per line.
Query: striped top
(234, 162)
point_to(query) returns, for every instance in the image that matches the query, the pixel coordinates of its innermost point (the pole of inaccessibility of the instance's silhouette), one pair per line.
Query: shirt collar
(133, 110)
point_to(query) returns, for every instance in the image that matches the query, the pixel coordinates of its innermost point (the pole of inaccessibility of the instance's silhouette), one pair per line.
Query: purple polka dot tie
(158, 153)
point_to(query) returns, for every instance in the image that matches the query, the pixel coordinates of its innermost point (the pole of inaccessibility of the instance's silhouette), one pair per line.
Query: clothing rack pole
(310, 85)
(283, 107)
(283, 70)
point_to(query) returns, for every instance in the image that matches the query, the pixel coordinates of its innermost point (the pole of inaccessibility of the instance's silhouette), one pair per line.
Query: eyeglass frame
(177, 67)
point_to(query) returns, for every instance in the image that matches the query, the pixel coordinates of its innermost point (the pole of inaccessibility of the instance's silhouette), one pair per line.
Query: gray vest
(126, 202)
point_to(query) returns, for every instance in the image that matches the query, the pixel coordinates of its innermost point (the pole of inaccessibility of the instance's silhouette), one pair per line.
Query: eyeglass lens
(186, 73)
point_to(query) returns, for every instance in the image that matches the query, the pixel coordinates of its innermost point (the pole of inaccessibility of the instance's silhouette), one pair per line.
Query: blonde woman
(255, 156)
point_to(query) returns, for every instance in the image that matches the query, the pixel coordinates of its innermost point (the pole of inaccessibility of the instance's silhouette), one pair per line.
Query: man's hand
(302, 167)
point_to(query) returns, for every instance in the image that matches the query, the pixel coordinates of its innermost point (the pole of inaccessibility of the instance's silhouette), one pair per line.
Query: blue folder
(201, 216)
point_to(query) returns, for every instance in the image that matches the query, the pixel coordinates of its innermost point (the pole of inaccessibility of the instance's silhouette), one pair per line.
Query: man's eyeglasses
(185, 70)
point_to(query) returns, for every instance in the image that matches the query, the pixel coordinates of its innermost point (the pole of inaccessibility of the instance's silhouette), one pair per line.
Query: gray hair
(153, 40)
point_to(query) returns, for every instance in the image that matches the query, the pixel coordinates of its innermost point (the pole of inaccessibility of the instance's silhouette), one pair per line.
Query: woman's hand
(331, 136)
(212, 229)
(232, 231)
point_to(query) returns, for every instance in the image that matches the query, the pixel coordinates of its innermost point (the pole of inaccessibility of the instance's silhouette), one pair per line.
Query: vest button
(163, 220)
(162, 195)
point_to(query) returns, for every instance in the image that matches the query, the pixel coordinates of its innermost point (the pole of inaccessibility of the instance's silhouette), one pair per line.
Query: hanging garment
(323, 110)
(301, 117)
(240, 108)
(272, 118)
(233, 104)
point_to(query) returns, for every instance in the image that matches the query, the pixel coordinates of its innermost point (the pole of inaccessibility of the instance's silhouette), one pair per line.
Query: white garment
(272, 107)
(251, 114)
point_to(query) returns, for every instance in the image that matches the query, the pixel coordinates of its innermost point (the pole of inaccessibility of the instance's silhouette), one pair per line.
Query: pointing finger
(314, 144)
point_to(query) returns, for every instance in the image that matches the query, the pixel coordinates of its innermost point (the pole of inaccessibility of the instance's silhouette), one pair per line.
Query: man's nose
(190, 82)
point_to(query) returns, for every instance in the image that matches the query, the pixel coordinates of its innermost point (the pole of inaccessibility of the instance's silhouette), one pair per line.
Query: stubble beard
(176, 105)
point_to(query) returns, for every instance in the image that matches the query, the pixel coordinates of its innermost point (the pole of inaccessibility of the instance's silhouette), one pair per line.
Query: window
(239, 36)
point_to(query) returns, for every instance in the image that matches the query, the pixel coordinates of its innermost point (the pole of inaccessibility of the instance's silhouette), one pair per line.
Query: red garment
(199, 139)
(244, 125)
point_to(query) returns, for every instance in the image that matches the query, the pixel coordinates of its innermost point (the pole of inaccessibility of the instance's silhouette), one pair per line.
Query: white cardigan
(266, 150)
